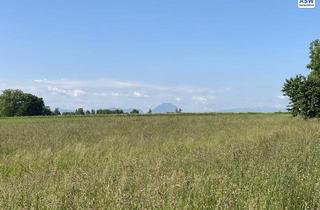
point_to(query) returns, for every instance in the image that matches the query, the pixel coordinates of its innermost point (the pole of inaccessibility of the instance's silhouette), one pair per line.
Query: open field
(170, 161)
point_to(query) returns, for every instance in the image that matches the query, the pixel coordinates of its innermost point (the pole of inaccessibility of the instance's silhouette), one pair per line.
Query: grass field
(172, 161)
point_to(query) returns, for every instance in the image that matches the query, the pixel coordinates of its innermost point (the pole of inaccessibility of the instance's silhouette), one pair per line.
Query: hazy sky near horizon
(202, 55)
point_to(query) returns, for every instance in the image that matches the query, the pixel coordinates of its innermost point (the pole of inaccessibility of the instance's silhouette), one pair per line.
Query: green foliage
(56, 111)
(68, 113)
(304, 92)
(18, 103)
(314, 56)
(108, 111)
(47, 111)
(135, 111)
(79, 111)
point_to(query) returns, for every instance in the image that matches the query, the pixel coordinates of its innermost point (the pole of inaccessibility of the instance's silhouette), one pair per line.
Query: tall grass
(135, 162)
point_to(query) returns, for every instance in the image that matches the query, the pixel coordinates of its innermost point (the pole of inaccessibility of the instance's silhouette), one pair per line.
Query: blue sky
(202, 55)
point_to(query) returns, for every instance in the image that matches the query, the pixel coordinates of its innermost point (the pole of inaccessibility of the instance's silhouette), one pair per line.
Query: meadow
(214, 161)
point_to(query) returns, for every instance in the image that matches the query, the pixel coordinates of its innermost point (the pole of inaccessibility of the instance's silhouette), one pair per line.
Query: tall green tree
(304, 91)
(18, 103)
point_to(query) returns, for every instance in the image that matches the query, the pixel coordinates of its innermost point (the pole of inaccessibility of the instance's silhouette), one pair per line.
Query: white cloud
(282, 97)
(100, 94)
(115, 94)
(139, 95)
(38, 80)
(72, 92)
(200, 99)
(178, 99)
(78, 92)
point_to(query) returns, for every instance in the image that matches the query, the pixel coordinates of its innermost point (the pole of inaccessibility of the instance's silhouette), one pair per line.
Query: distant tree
(108, 111)
(79, 111)
(47, 111)
(68, 113)
(56, 111)
(118, 111)
(88, 112)
(18, 103)
(93, 111)
(304, 91)
(135, 111)
(149, 111)
(103, 111)
(178, 110)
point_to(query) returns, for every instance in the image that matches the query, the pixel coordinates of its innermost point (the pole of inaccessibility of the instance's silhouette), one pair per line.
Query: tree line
(17, 103)
(81, 111)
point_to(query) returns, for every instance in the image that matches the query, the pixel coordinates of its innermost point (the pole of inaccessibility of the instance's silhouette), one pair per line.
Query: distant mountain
(164, 108)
